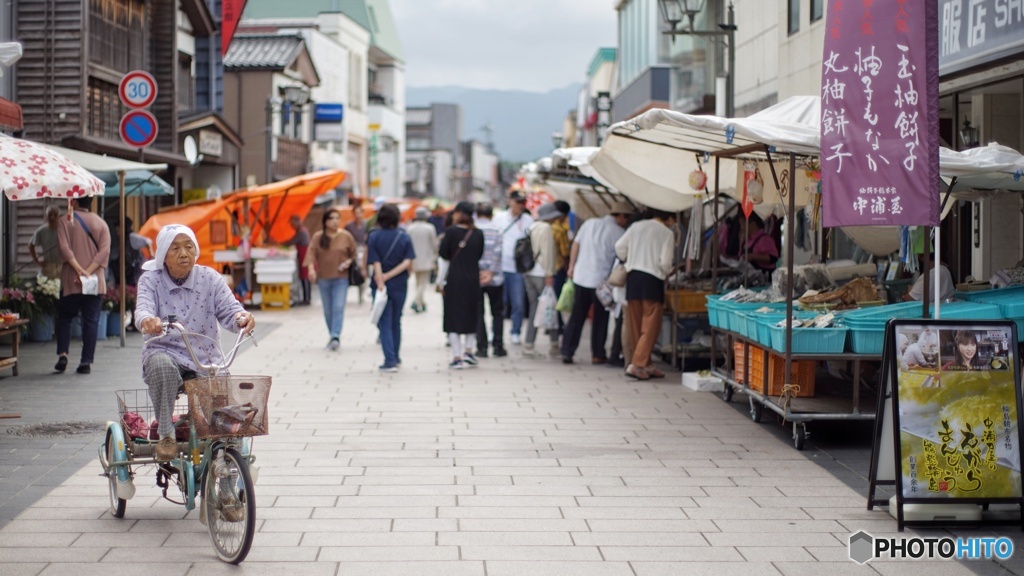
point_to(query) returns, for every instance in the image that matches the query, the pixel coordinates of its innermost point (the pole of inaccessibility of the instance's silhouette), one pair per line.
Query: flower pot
(114, 325)
(40, 328)
(101, 325)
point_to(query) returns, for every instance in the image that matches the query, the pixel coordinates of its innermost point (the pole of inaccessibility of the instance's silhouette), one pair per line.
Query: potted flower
(112, 303)
(46, 292)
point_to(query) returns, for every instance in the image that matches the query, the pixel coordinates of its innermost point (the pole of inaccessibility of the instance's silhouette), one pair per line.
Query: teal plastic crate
(733, 313)
(765, 322)
(811, 340)
(715, 316)
(867, 340)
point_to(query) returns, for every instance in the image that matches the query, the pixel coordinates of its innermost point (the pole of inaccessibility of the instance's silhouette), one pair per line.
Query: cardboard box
(702, 383)
(973, 286)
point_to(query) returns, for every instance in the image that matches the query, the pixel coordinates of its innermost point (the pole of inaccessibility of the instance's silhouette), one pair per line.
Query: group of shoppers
(504, 264)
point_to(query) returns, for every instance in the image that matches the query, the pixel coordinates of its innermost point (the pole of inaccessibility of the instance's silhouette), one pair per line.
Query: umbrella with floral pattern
(29, 170)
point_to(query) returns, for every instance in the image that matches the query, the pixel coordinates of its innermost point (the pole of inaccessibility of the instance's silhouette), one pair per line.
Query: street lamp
(673, 11)
(969, 134)
(556, 139)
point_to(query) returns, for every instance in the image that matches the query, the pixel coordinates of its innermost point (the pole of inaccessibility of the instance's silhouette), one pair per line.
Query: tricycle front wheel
(230, 503)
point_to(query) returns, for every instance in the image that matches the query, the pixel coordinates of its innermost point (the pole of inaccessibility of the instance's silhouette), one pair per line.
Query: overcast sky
(534, 45)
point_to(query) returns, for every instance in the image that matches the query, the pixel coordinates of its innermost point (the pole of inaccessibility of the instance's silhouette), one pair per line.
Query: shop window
(817, 10)
(116, 34)
(103, 110)
(186, 83)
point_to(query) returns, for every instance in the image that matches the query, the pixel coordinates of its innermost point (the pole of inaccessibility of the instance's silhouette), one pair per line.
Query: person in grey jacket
(491, 281)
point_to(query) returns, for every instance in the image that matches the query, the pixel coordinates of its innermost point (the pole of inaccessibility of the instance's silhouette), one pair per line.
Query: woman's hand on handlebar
(245, 321)
(152, 326)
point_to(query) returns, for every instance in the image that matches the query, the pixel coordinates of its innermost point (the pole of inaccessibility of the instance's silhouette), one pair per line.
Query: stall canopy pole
(924, 281)
(938, 233)
(789, 269)
(714, 236)
(120, 182)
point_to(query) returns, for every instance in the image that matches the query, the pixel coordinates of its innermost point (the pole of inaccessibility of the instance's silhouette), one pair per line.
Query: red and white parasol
(29, 170)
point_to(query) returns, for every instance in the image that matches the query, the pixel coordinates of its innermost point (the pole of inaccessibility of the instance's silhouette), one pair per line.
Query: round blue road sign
(138, 128)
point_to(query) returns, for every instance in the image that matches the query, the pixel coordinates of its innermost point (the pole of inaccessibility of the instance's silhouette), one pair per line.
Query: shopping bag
(566, 298)
(546, 317)
(380, 300)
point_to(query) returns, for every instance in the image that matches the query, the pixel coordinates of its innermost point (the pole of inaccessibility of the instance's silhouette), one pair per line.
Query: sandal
(637, 373)
(655, 373)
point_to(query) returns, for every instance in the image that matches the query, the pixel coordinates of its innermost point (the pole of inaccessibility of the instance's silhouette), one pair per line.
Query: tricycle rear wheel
(117, 505)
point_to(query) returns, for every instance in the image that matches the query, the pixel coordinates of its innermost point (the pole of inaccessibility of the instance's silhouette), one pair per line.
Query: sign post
(138, 129)
(949, 420)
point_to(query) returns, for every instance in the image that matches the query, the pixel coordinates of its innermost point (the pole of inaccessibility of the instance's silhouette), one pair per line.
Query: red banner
(880, 113)
(230, 14)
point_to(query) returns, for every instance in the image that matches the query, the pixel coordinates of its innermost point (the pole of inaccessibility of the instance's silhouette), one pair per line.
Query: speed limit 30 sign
(137, 89)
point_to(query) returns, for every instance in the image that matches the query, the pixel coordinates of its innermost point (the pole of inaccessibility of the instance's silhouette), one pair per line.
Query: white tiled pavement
(519, 467)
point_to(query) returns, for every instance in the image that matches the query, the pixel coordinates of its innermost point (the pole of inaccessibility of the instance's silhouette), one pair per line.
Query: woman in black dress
(461, 248)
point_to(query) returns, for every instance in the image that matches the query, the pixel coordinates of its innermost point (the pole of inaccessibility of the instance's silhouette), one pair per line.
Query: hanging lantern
(698, 180)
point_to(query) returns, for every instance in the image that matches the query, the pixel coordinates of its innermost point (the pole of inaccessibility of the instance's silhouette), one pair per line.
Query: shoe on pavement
(500, 353)
(516, 339)
(61, 365)
(528, 350)
(481, 354)
(616, 363)
(457, 364)
(470, 360)
(387, 369)
(595, 361)
(334, 344)
(166, 449)
(637, 372)
(566, 360)
(84, 369)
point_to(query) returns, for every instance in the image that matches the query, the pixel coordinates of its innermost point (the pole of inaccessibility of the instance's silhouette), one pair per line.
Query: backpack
(524, 256)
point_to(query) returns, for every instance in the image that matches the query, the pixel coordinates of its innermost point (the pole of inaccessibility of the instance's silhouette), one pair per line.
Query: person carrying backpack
(539, 243)
(513, 225)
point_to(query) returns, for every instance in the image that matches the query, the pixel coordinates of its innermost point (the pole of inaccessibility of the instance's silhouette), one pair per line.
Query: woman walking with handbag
(331, 253)
(462, 248)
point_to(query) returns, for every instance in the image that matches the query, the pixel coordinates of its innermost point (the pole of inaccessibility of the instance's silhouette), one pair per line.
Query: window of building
(357, 69)
(794, 16)
(817, 10)
(186, 84)
(116, 34)
(103, 109)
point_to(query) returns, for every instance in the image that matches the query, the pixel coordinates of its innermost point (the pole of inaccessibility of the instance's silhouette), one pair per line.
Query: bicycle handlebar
(211, 369)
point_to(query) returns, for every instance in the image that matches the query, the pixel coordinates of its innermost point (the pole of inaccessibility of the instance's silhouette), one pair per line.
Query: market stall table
(797, 410)
(14, 330)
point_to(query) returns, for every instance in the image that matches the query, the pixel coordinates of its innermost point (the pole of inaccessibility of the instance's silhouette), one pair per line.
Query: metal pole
(730, 92)
(924, 281)
(938, 262)
(120, 182)
(789, 270)
(269, 140)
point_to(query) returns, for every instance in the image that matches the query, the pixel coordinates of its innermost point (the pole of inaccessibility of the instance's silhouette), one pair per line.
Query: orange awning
(269, 207)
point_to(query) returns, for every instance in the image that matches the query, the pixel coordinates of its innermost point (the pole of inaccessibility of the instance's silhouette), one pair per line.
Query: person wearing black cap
(462, 248)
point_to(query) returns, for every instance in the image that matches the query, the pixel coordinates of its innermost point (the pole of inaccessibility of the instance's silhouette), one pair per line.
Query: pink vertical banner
(880, 113)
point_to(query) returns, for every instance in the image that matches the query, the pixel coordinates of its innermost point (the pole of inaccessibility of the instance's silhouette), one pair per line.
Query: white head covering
(163, 243)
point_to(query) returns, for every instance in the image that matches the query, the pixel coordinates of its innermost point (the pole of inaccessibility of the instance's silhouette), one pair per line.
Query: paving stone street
(518, 467)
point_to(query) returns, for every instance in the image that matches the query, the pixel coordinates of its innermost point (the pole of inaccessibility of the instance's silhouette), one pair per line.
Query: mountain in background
(522, 121)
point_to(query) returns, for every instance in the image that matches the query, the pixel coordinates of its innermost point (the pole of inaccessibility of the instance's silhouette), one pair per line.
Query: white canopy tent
(657, 142)
(98, 164)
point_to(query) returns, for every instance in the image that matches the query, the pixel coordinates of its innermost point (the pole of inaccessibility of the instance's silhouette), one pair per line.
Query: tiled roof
(262, 51)
(374, 15)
